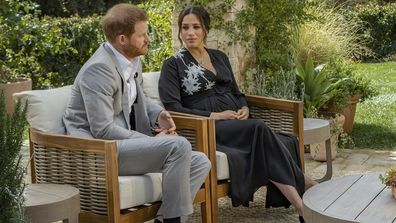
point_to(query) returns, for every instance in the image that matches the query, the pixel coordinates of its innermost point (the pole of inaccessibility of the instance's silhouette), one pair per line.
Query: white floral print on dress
(191, 83)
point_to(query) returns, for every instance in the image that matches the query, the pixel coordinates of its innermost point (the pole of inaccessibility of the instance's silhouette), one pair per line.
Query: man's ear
(121, 39)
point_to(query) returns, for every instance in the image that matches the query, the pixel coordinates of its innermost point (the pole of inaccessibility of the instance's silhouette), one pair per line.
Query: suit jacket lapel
(125, 94)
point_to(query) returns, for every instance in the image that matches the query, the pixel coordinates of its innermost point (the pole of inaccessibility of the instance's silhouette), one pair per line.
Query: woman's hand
(227, 114)
(243, 113)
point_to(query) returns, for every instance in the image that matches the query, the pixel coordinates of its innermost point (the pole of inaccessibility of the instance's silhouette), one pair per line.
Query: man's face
(137, 43)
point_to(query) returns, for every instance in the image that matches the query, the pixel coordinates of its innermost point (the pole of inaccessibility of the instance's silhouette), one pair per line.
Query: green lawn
(375, 120)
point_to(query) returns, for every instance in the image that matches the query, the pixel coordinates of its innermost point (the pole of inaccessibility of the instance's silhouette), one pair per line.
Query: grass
(375, 120)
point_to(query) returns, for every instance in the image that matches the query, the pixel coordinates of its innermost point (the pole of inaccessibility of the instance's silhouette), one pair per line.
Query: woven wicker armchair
(280, 115)
(91, 165)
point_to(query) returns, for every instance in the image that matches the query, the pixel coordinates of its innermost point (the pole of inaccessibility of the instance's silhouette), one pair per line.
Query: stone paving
(347, 162)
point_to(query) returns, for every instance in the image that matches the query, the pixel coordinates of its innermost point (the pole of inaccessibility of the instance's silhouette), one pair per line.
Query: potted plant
(318, 88)
(11, 83)
(389, 179)
(12, 181)
(347, 94)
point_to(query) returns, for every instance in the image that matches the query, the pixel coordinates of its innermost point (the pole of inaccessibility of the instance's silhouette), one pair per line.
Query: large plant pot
(348, 111)
(23, 84)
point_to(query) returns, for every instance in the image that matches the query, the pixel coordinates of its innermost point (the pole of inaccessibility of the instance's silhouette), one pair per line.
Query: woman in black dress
(200, 81)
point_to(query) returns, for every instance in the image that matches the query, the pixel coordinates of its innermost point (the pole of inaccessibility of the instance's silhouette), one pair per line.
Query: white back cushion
(46, 108)
(150, 86)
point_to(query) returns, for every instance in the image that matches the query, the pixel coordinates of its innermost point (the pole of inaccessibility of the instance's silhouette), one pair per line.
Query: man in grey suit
(107, 102)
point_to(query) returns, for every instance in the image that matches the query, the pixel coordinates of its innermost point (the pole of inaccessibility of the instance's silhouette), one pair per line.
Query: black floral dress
(255, 153)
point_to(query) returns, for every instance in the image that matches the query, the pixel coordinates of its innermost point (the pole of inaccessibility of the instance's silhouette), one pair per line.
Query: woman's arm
(169, 90)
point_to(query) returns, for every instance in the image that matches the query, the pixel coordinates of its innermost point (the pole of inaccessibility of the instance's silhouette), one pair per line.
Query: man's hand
(166, 124)
(243, 113)
(227, 114)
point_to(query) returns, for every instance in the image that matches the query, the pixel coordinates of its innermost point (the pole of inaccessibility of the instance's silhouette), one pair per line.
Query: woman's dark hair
(202, 15)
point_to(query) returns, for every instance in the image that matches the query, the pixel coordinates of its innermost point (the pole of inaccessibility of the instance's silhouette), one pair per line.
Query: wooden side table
(315, 131)
(52, 202)
(354, 198)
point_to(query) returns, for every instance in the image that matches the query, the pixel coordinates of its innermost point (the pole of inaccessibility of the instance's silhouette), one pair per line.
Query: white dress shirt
(129, 70)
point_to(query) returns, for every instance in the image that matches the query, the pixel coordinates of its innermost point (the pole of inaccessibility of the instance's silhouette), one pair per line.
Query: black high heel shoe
(301, 219)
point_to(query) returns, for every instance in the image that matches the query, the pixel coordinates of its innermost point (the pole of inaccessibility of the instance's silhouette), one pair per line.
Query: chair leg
(206, 212)
(206, 207)
(214, 204)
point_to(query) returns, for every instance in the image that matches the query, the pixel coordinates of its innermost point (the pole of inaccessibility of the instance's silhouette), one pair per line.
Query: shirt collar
(127, 67)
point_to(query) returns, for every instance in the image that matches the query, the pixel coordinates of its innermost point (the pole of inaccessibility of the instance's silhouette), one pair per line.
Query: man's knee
(181, 145)
(201, 160)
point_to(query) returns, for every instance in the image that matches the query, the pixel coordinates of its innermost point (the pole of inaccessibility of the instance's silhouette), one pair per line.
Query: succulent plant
(389, 178)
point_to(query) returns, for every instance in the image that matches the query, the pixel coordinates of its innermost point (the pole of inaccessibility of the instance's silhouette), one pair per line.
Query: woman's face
(192, 33)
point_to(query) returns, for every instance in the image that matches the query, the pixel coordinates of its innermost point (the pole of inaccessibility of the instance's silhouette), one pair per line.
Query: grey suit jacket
(98, 107)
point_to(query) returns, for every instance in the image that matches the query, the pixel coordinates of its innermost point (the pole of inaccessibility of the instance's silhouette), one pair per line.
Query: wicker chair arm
(88, 164)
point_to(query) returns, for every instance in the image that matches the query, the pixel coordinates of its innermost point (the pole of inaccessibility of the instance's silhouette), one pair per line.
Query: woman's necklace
(202, 61)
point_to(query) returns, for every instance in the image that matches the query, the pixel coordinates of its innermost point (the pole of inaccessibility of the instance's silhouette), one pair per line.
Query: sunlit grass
(375, 120)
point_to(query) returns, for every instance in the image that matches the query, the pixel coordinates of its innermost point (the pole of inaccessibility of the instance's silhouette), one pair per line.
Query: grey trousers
(183, 170)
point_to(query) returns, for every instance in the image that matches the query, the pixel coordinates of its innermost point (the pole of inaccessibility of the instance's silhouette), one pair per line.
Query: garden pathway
(347, 162)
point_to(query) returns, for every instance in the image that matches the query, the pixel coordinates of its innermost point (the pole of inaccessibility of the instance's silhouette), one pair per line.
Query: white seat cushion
(139, 190)
(223, 172)
(150, 86)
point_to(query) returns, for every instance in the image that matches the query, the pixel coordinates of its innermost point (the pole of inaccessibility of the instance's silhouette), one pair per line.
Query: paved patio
(347, 162)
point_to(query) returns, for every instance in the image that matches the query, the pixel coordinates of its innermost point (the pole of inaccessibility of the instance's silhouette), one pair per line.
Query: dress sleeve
(170, 91)
(234, 87)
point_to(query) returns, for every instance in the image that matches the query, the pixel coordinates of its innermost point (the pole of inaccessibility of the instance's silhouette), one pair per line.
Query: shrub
(330, 35)
(378, 25)
(6, 74)
(52, 50)
(160, 32)
(49, 50)
(353, 84)
(67, 8)
(273, 21)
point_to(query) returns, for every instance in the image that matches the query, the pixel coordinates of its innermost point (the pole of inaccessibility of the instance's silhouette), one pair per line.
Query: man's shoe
(301, 219)
(157, 221)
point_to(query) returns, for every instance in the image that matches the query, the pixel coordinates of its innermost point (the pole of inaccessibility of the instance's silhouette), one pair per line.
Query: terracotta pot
(349, 112)
(394, 191)
(23, 84)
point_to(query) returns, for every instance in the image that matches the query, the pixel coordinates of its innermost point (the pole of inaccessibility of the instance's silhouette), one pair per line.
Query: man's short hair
(121, 19)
